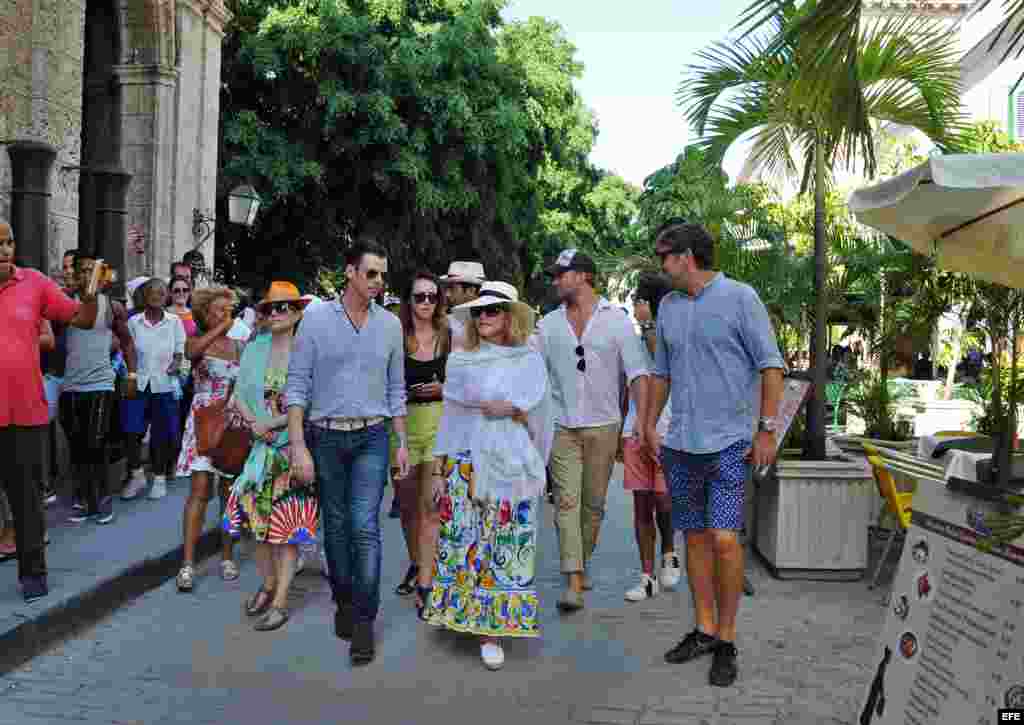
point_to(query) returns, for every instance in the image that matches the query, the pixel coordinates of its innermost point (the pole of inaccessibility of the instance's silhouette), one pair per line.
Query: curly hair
(522, 322)
(203, 297)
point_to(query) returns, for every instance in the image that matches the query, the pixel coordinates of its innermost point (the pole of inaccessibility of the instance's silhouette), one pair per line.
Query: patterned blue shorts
(707, 488)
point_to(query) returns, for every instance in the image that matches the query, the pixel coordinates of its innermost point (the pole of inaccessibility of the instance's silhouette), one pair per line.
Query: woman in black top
(426, 352)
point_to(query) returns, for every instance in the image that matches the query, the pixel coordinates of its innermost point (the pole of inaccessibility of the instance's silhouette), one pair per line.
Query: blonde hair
(203, 297)
(521, 323)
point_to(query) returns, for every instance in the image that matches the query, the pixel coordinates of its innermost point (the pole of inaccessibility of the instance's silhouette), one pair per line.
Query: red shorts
(641, 471)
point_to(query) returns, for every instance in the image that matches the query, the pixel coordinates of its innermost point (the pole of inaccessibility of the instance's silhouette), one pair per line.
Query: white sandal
(228, 570)
(185, 578)
(493, 655)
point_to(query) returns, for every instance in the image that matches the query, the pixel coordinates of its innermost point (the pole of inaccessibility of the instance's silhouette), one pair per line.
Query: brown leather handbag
(222, 437)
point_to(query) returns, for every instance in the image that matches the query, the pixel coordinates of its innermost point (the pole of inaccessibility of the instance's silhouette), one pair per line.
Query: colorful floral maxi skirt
(484, 579)
(279, 511)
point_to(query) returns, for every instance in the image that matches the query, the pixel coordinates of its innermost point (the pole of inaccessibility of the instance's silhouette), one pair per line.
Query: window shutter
(1018, 114)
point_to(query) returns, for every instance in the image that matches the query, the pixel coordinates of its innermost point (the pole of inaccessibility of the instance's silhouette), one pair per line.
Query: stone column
(31, 162)
(111, 220)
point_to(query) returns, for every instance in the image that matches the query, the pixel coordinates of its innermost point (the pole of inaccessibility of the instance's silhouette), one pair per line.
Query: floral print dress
(279, 510)
(484, 572)
(212, 378)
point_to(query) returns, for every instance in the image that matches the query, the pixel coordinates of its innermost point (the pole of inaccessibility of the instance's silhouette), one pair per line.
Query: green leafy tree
(423, 124)
(766, 86)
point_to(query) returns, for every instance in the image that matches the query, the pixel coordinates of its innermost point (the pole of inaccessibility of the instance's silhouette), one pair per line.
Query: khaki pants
(581, 465)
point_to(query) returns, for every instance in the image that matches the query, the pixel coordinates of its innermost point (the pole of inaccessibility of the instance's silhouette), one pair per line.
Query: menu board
(952, 651)
(794, 394)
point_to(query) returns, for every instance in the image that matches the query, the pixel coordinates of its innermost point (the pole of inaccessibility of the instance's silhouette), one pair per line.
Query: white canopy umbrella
(966, 209)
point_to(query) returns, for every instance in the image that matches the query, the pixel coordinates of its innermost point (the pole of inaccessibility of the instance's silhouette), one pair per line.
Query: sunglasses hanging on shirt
(582, 364)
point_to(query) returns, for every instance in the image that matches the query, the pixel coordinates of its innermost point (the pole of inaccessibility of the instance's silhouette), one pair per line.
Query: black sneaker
(363, 650)
(395, 512)
(695, 644)
(723, 667)
(343, 622)
(34, 587)
(105, 515)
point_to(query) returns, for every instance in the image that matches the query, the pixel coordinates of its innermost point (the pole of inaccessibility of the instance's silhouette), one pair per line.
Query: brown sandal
(254, 607)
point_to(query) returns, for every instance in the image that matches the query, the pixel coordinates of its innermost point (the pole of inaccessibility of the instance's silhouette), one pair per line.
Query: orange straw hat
(283, 292)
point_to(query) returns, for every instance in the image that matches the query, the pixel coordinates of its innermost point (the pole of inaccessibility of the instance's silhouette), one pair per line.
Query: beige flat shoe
(273, 619)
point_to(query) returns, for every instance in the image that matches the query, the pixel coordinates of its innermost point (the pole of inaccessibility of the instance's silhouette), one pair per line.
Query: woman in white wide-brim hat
(489, 471)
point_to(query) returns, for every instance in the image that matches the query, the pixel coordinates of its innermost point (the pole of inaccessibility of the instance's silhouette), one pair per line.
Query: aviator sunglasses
(421, 297)
(488, 311)
(281, 308)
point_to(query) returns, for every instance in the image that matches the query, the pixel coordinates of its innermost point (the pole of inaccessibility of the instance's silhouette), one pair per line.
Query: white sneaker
(493, 655)
(135, 486)
(646, 589)
(159, 489)
(671, 571)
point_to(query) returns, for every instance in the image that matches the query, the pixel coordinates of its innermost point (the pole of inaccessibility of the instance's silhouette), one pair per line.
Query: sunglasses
(421, 297)
(281, 308)
(582, 364)
(488, 311)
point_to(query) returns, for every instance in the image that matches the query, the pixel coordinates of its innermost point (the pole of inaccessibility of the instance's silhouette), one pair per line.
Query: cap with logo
(572, 260)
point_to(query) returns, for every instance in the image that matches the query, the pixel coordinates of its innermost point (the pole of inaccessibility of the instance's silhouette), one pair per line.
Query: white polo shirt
(155, 347)
(611, 349)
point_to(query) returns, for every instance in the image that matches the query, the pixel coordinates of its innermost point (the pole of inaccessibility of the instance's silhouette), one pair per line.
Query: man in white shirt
(589, 347)
(159, 338)
(461, 285)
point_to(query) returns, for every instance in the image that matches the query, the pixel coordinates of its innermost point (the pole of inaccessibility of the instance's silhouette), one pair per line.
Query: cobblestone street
(806, 652)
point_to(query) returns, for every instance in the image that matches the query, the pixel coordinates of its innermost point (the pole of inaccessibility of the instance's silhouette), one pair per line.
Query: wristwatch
(766, 425)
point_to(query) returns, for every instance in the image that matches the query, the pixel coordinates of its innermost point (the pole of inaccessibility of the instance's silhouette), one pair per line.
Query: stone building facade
(109, 116)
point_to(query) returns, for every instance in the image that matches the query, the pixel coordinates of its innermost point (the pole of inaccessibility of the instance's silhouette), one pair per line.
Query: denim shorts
(707, 488)
(157, 411)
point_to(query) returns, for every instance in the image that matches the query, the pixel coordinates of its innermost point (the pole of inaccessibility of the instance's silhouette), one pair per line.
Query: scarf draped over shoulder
(509, 459)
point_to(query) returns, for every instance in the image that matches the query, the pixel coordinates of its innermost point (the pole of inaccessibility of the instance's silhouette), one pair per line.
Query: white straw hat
(464, 272)
(491, 293)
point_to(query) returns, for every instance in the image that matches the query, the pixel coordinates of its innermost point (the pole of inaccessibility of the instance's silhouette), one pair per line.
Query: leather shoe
(343, 621)
(34, 587)
(571, 601)
(363, 650)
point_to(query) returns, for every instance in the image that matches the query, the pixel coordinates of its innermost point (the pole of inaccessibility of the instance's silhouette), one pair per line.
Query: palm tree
(833, 26)
(764, 86)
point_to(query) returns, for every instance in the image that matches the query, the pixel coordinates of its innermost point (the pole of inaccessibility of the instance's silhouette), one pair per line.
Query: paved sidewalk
(806, 651)
(94, 568)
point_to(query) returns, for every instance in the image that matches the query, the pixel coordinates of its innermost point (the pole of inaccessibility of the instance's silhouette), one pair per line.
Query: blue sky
(634, 53)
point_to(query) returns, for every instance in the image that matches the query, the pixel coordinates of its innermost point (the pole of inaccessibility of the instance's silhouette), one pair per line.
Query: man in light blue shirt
(715, 344)
(346, 380)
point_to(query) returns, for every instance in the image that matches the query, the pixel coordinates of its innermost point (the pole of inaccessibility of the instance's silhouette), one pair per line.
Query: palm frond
(1012, 27)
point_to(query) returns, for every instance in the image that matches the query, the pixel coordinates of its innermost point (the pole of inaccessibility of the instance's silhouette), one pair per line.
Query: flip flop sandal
(273, 619)
(254, 607)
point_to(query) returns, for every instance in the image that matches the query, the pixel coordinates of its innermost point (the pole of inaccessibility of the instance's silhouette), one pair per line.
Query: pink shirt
(26, 300)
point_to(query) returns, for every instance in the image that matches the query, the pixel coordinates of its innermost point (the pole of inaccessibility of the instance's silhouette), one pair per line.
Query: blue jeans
(351, 472)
